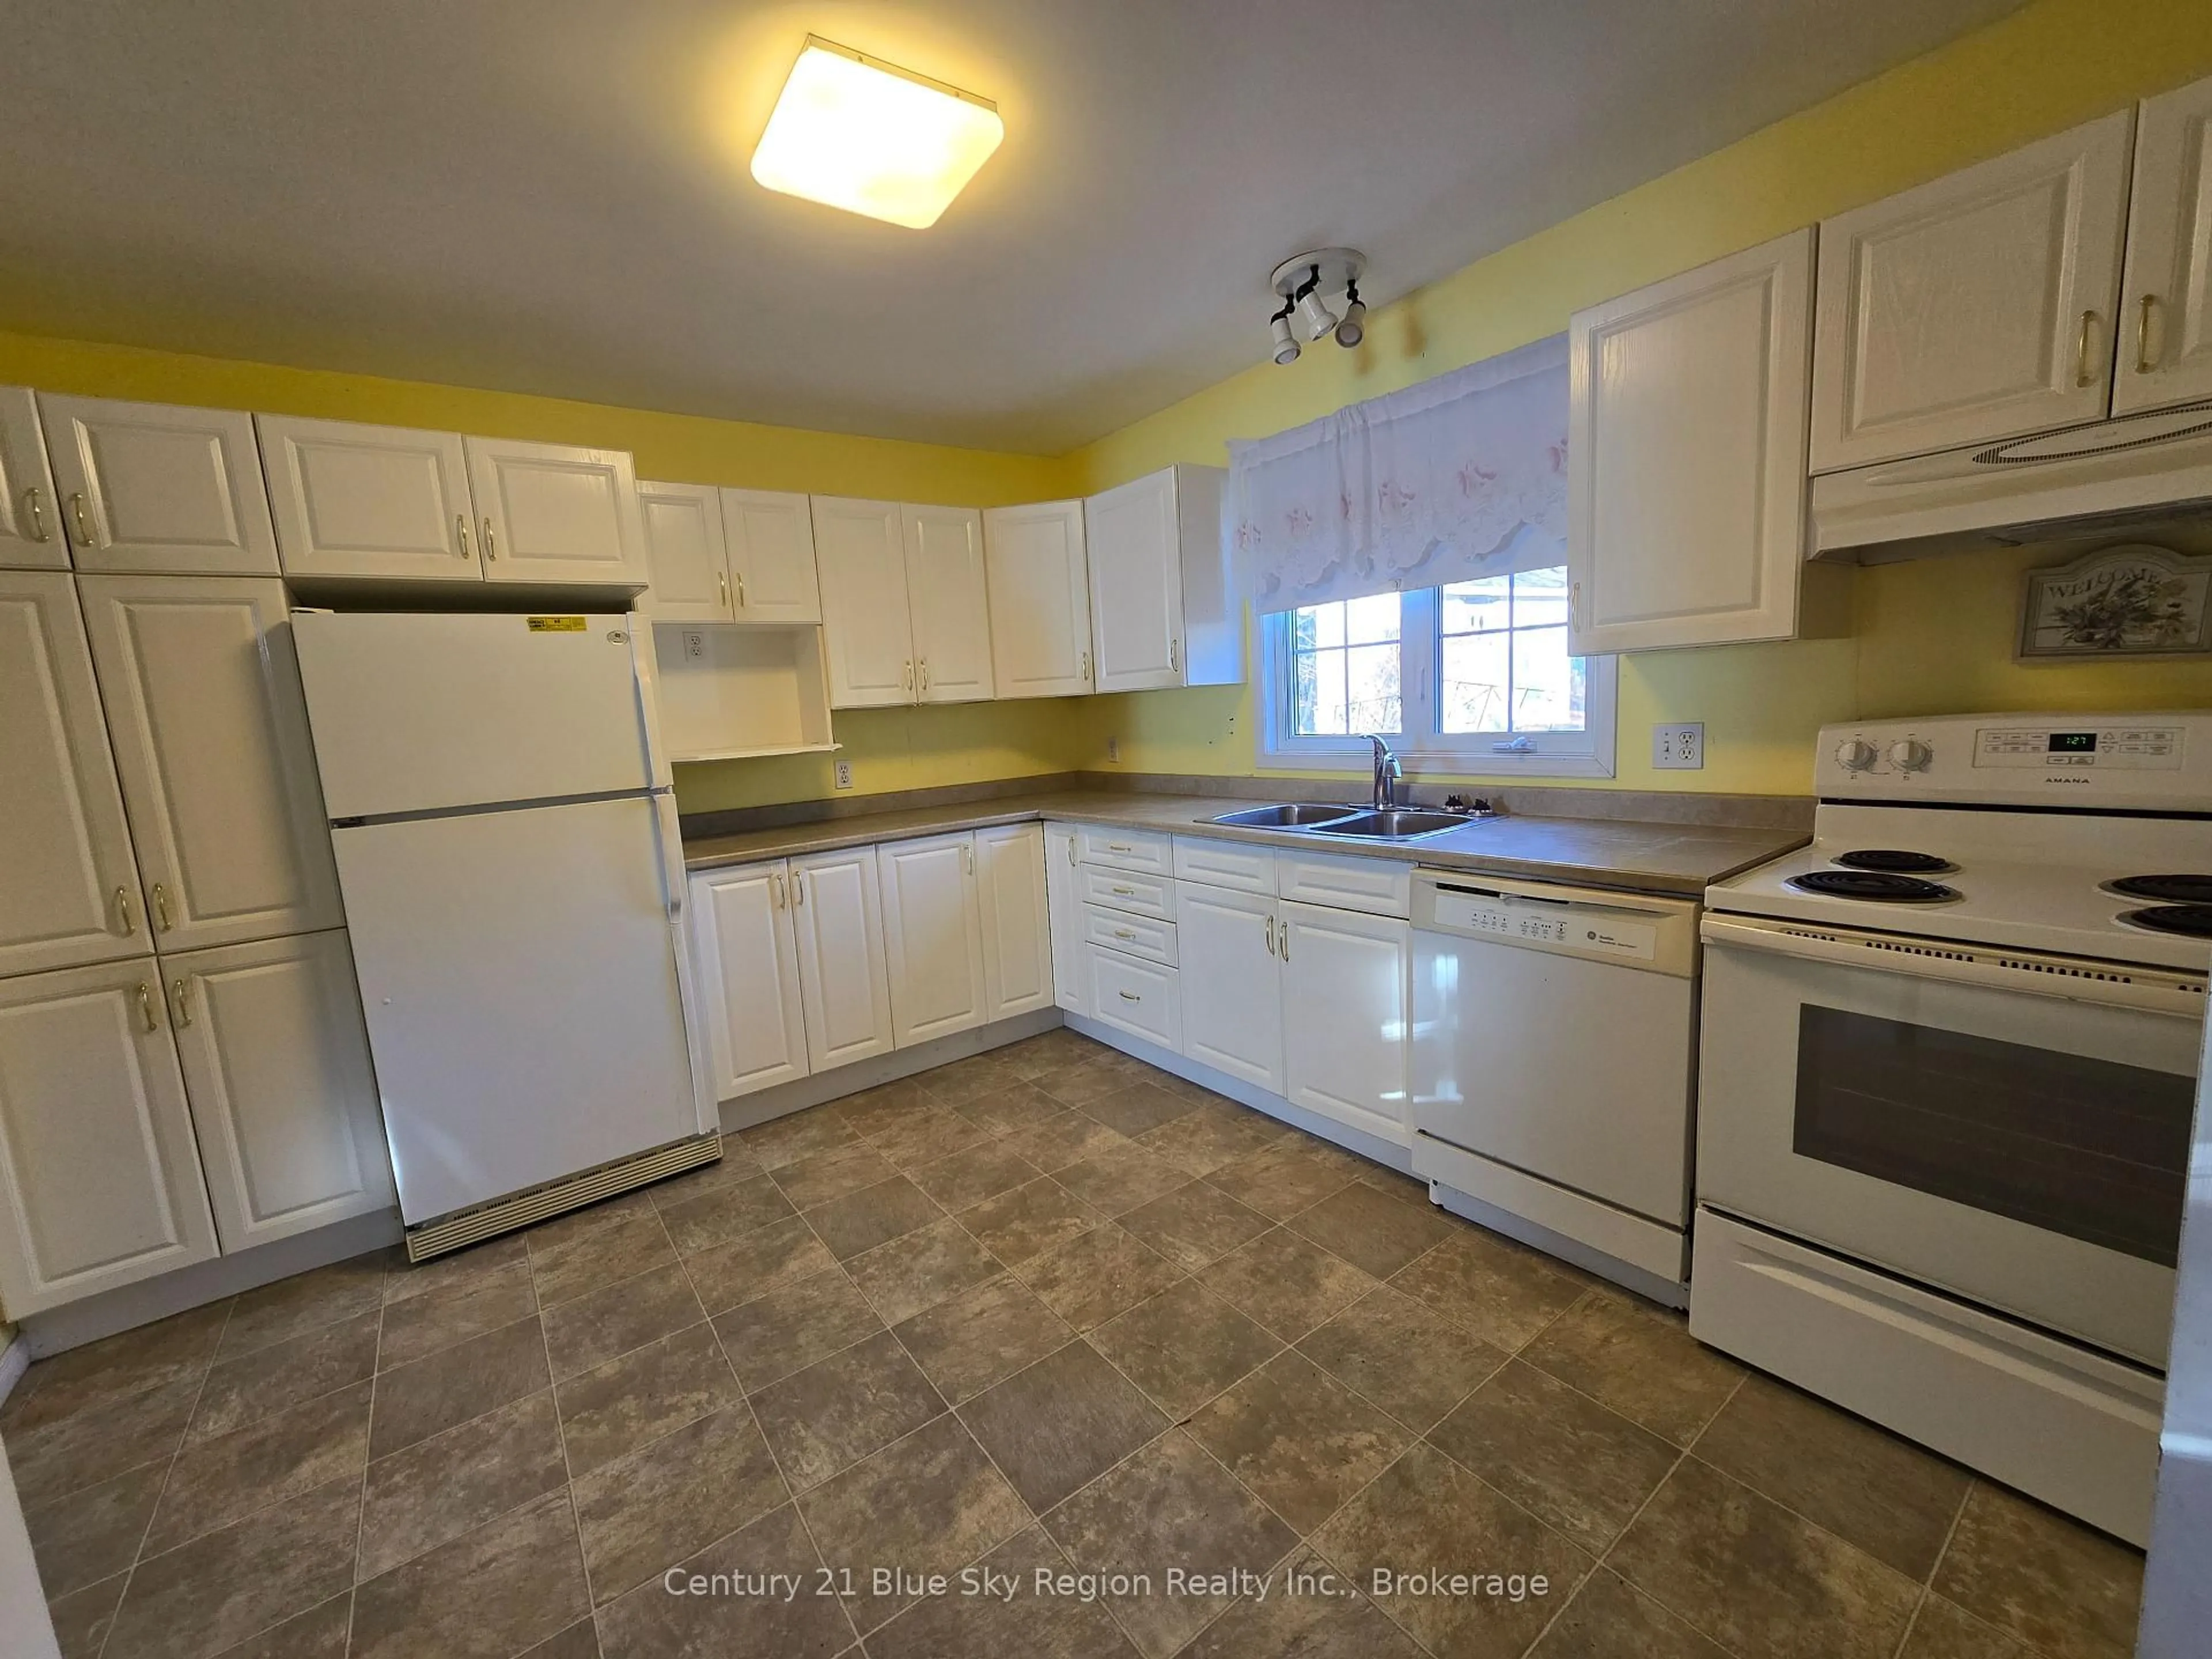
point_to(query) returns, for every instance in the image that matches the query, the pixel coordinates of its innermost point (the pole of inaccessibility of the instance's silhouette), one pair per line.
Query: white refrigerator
(514, 883)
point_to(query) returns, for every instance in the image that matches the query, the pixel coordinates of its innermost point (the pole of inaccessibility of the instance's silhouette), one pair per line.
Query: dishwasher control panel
(1591, 925)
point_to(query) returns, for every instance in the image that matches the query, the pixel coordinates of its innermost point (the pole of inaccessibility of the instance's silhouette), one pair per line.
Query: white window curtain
(1461, 477)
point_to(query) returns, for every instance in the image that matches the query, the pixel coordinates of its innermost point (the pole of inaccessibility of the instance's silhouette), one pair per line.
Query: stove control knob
(1910, 755)
(1856, 754)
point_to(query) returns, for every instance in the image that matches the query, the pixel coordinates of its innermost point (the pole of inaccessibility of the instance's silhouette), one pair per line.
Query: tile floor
(1047, 1308)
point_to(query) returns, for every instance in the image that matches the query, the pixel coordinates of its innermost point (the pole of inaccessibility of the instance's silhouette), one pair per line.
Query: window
(1473, 678)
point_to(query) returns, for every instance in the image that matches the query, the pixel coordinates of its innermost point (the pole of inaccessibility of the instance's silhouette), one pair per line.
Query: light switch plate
(1114, 751)
(1678, 748)
(844, 774)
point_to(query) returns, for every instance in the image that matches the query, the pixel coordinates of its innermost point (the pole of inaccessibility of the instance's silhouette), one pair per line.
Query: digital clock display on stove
(2072, 742)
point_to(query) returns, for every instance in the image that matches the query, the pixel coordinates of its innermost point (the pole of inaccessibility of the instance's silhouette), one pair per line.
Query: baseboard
(1373, 1148)
(14, 1360)
(785, 1098)
(60, 1329)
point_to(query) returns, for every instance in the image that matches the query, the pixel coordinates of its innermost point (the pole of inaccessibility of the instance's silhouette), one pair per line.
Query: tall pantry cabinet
(183, 1065)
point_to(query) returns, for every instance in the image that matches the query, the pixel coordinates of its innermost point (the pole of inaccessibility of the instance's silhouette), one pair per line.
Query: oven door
(2011, 1128)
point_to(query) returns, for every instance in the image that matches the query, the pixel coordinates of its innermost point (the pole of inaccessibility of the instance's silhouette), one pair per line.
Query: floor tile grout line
(561, 1433)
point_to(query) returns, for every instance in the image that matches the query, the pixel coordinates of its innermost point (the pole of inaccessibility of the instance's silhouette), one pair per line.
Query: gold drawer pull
(180, 1001)
(84, 537)
(1127, 996)
(38, 514)
(123, 911)
(461, 531)
(146, 1007)
(161, 907)
(1126, 892)
(1123, 932)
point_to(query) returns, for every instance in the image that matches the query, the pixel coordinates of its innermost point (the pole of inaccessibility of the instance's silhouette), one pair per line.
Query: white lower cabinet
(746, 952)
(1344, 1016)
(1136, 997)
(933, 936)
(99, 1178)
(1013, 908)
(276, 1067)
(836, 914)
(1071, 975)
(1232, 990)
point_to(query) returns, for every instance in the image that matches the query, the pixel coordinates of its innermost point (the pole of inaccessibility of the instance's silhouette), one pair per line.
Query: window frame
(1422, 748)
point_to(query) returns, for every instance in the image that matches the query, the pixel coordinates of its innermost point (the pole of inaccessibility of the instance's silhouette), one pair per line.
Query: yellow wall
(1931, 636)
(889, 749)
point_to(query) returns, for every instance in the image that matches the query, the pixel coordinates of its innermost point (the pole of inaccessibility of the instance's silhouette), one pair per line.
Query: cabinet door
(2165, 319)
(933, 936)
(158, 487)
(203, 695)
(771, 539)
(747, 955)
(100, 1181)
(1017, 956)
(1344, 1016)
(283, 1099)
(1685, 457)
(368, 501)
(70, 893)
(1976, 308)
(684, 547)
(1040, 588)
(31, 535)
(1136, 584)
(1070, 980)
(950, 599)
(553, 513)
(1232, 991)
(836, 911)
(861, 549)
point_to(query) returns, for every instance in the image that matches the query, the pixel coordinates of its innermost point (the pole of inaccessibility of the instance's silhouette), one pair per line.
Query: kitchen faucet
(1388, 775)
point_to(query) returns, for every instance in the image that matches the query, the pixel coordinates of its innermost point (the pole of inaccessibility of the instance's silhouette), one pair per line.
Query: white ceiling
(551, 196)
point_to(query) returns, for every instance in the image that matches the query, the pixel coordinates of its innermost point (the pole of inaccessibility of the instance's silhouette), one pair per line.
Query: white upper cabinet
(154, 487)
(100, 1179)
(276, 1066)
(947, 593)
(1040, 592)
(683, 546)
(836, 913)
(1017, 954)
(1686, 455)
(1978, 306)
(31, 535)
(770, 536)
(1163, 610)
(201, 690)
(368, 501)
(2166, 316)
(747, 957)
(860, 547)
(933, 936)
(1344, 1016)
(1071, 976)
(70, 890)
(552, 513)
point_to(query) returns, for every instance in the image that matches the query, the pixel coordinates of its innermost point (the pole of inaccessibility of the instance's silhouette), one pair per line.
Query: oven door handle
(2074, 979)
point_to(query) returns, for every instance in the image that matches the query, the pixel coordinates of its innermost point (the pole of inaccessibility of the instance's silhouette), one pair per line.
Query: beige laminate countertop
(1654, 857)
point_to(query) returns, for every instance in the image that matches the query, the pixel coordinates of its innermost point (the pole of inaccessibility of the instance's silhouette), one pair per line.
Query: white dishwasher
(1553, 1062)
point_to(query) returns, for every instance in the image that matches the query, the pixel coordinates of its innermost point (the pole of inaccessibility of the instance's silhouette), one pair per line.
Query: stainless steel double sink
(1347, 822)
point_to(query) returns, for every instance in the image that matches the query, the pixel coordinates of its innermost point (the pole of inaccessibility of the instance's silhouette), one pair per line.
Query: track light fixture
(1303, 284)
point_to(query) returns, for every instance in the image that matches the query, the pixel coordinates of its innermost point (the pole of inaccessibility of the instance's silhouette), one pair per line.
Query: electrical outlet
(1113, 752)
(844, 777)
(1678, 748)
(694, 644)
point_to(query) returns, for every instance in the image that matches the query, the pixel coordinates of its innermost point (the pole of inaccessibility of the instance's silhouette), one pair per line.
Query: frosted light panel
(856, 133)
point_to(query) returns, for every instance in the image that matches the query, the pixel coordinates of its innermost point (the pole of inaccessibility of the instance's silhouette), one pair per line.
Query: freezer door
(519, 972)
(415, 713)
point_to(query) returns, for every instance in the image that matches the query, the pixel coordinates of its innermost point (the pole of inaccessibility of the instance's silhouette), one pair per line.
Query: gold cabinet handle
(181, 1002)
(1071, 850)
(2144, 363)
(123, 911)
(741, 590)
(1123, 932)
(461, 534)
(1175, 651)
(83, 525)
(1131, 996)
(776, 895)
(2081, 375)
(1086, 668)
(1271, 936)
(1126, 892)
(909, 681)
(1283, 940)
(35, 509)
(798, 889)
(925, 673)
(146, 1007)
(491, 546)
(723, 580)
(161, 907)
(968, 852)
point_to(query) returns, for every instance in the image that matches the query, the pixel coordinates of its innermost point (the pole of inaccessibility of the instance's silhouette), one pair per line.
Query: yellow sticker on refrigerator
(556, 624)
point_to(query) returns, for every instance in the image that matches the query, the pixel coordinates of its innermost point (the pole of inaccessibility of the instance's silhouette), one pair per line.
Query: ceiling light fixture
(1303, 284)
(860, 134)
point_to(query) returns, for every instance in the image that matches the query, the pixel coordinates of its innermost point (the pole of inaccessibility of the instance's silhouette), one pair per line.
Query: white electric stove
(1945, 1086)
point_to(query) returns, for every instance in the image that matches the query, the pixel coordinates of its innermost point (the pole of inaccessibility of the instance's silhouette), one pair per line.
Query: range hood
(2124, 474)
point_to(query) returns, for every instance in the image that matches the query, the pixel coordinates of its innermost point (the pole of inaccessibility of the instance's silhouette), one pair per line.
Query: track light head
(1353, 328)
(1315, 317)
(1286, 343)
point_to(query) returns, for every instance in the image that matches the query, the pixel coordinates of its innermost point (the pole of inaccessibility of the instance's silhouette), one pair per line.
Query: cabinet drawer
(1119, 891)
(1136, 997)
(1136, 936)
(1382, 887)
(1126, 849)
(1224, 864)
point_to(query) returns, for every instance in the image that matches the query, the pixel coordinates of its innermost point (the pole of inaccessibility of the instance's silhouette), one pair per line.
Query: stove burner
(2190, 921)
(1871, 885)
(2168, 890)
(1893, 862)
